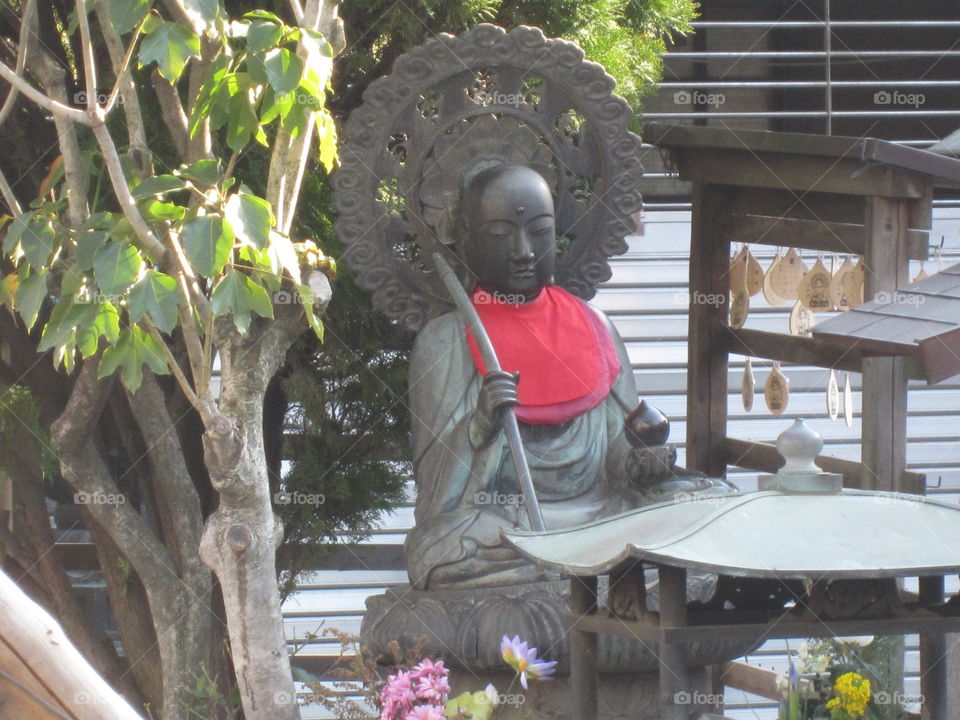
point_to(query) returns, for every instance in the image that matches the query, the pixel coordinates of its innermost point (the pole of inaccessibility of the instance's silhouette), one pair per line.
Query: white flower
(492, 695)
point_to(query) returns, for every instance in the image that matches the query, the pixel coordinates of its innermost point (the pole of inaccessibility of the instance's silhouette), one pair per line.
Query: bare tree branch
(57, 109)
(124, 86)
(22, 47)
(89, 63)
(127, 202)
(172, 112)
(8, 195)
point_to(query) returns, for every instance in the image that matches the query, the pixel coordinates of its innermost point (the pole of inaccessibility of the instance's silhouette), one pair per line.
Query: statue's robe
(466, 495)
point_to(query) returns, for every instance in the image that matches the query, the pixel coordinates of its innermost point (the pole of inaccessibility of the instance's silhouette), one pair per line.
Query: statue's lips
(524, 274)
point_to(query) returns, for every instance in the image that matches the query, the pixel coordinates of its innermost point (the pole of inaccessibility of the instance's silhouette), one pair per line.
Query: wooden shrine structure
(854, 196)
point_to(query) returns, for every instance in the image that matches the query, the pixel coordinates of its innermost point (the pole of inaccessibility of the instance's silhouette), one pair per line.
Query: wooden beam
(764, 457)
(809, 205)
(44, 657)
(884, 387)
(706, 356)
(790, 348)
(819, 235)
(824, 174)
(750, 678)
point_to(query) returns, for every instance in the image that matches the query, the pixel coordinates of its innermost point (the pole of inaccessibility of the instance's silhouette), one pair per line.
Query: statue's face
(511, 239)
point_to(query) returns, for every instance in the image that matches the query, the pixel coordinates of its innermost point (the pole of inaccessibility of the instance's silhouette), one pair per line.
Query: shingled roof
(920, 320)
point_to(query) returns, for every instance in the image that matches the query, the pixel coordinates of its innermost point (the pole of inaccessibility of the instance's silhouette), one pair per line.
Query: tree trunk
(241, 537)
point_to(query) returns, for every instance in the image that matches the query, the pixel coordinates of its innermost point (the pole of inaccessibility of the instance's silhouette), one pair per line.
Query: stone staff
(510, 427)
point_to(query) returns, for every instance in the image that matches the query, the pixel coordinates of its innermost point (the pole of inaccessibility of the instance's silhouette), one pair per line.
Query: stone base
(465, 627)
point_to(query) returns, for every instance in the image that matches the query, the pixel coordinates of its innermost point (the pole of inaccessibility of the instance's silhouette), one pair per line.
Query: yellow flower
(852, 697)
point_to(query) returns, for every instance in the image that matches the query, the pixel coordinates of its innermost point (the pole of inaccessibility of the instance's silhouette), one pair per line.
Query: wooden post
(584, 665)
(676, 699)
(884, 444)
(706, 356)
(933, 657)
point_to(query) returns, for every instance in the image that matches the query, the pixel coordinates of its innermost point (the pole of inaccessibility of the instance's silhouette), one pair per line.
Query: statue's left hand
(646, 466)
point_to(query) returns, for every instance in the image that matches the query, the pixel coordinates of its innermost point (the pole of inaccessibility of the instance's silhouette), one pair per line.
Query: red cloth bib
(564, 354)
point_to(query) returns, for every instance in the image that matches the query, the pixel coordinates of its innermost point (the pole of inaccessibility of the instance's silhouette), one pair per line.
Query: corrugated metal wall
(647, 300)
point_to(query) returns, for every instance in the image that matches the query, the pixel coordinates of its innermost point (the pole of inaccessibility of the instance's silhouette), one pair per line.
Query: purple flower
(525, 661)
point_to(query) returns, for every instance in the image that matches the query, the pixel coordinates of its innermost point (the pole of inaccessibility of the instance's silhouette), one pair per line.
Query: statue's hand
(646, 466)
(498, 391)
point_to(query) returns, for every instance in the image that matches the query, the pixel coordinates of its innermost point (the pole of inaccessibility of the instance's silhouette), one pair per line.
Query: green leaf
(203, 172)
(207, 9)
(326, 140)
(8, 290)
(170, 45)
(284, 69)
(88, 242)
(207, 241)
(284, 255)
(37, 242)
(157, 294)
(306, 298)
(126, 14)
(216, 77)
(262, 15)
(67, 315)
(116, 266)
(251, 218)
(238, 294)
(133, 348)
(263, 35)
(475, 705)
(158, 185)
(72, 281)
(14, 232)
(241, 122)
(30, 295)
(164, 211)
(106, 323)
(274, 105)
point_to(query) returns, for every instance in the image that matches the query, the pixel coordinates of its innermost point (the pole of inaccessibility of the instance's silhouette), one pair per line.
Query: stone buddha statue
(565, 372)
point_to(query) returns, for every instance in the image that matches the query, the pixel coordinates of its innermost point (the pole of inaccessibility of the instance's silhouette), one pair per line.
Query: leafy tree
(144, 254)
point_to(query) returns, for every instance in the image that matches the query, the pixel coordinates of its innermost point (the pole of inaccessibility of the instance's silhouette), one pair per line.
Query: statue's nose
(523, 249)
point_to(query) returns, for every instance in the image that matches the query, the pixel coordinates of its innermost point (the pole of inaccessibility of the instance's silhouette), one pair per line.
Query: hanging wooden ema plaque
(847, 401)
(743, 277)
(747, 385)
(768, 291)
(776, 391)
(852, 284)
(814, 292)
(837, 295)
(833, 396)
(787, 274)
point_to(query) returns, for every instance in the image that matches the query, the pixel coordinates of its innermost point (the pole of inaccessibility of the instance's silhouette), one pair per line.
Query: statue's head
(509, 241)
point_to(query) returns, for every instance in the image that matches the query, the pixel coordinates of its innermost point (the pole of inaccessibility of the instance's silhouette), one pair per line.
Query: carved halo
(456, 104)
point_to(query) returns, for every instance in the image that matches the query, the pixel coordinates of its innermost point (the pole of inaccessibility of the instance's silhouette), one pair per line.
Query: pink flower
(397, 696)
(426, 712)
(525, 661)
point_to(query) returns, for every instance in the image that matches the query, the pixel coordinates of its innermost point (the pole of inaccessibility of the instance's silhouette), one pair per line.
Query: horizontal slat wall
(647, 300)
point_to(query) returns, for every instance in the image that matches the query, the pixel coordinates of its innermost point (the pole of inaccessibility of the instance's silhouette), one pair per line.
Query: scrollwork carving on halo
(484, 97)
